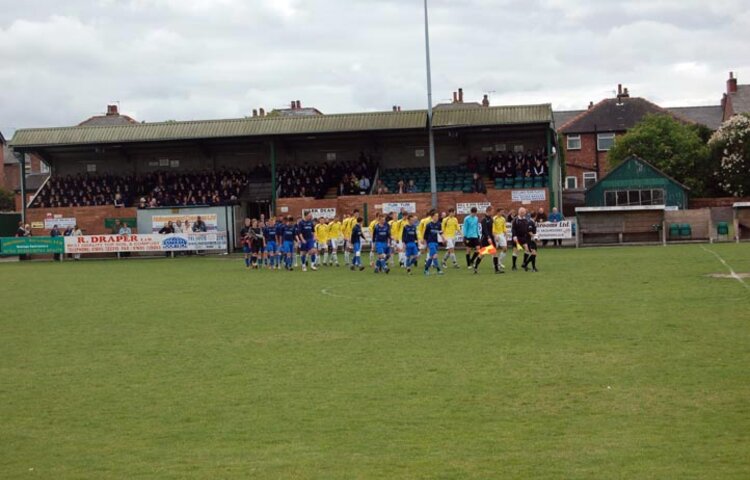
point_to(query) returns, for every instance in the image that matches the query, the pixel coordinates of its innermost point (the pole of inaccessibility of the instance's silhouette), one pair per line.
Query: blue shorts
(246, 248)
(271, 247)
(433, 248)
(382, 248)
(412, 250)
(307, 245)
(287, 247)
(357, 247)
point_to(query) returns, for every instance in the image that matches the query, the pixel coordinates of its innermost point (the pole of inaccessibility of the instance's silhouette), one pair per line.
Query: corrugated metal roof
(273, 126)
(504, 115)
(243, 127)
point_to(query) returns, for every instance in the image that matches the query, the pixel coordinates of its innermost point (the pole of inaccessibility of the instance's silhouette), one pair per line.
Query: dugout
(634, 225)
(741, 221)
(636, 182)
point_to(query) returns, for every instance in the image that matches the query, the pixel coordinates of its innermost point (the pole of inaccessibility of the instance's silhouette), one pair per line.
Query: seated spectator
(478, 185)
(381, 188)
(411, 187)
(364, 184)
(400, 187)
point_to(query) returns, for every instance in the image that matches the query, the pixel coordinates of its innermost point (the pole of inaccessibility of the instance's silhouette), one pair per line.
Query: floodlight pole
(433, 175)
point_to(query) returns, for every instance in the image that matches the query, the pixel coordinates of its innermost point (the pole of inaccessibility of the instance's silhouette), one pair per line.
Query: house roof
(278, 125)
(564, 116)
(711, 116)
(107, 120)
(612, 115)
(2, 139)
(637, 159)
(8, 157)
(741, 99)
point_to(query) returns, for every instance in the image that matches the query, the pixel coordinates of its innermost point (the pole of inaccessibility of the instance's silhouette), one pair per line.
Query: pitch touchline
(732, 273)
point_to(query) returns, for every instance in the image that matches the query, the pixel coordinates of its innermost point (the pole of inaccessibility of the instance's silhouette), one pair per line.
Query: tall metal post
(273, 177)
(433, 174)
(21, 157)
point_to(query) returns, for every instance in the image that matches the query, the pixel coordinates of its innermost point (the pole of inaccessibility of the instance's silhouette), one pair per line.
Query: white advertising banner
(554, 231)
(529, 195)
(62, 223)
(178, 242)
(210, 219)
(465, 208)
(320, 212)
(395, 207)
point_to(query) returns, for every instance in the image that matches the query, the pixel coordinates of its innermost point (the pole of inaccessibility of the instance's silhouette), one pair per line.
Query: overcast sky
(63, 61)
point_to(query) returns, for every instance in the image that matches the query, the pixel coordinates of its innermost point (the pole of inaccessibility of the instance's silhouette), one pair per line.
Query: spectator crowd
(350, 178)
(156, 189)
(519, 164)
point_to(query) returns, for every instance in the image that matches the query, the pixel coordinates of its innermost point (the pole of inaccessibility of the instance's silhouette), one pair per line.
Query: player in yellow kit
(334, 237)
(450, 229)
(397, 229)
(347, 226)
(422, 226)
(499, 230)
(371, 228)
(321, 237)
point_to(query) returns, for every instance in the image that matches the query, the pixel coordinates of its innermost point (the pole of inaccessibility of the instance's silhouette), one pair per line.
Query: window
(571, 183)
(43, 167)
(331, 156)
(605, 141)
(621, 198)
(574, 142)
(589, 178)
(91, 167)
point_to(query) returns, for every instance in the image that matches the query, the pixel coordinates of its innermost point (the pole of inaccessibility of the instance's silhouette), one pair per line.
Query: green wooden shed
(637, 182)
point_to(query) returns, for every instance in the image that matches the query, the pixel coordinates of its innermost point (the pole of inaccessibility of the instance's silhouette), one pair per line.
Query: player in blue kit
(306, 238)
(269, 233)
(288, 237)
(432, 233)
(279, 240)
(409, 239)
(381, 238)
(356, 244)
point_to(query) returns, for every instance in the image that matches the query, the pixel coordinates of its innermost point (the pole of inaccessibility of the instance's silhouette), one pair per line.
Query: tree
(7, 202)
(730, 148)
(672, 146)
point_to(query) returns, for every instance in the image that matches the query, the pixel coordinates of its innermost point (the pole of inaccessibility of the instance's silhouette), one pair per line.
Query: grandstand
(271, 157)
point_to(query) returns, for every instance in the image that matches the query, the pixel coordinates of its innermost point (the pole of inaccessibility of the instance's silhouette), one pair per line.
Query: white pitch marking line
(732, 273)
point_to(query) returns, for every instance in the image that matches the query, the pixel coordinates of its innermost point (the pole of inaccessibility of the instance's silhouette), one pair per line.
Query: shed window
(620, 198)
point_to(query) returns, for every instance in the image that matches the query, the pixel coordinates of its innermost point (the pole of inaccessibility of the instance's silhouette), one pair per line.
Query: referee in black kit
(524, 234)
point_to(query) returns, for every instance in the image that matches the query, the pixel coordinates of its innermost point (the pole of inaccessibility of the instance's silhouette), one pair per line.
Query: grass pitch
(610, 363)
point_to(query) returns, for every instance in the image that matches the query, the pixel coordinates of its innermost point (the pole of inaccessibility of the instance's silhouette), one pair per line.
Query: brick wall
(90, 219)
(446, 200)
(716, 202)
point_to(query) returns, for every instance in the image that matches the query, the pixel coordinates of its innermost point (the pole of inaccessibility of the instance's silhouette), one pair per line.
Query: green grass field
(609, 363)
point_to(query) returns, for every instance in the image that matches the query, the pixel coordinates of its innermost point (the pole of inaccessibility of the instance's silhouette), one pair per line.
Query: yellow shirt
(499, 226)
(321, 232)
(348, 225)
(334, 230)
(450, 227)
(372, 226)
(397, 229)
(422, 227)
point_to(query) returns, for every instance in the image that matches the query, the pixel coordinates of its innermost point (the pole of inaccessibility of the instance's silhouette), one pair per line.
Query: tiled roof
(106, 120)
(710, 116)
(741, 99)
(612, 115)
(564, 116)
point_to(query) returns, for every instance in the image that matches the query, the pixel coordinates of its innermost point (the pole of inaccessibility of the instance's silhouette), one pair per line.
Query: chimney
(625, 93)
(591, 105)
(732, 83)
(395, 108)
(299, 105)
(455, 97)
(262, 112)
(486, 100)
(399, 108)
(294, 105)
(255, 112)
(112, 110)
(619, 89)
(460, 95)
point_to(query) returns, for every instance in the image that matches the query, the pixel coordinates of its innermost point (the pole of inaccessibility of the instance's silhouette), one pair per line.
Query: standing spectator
(116, 227)
(55, 232)
(556, 217)
(199, 225)
(76, 233)
(125, 230)
(20, 232)
(167, 229)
